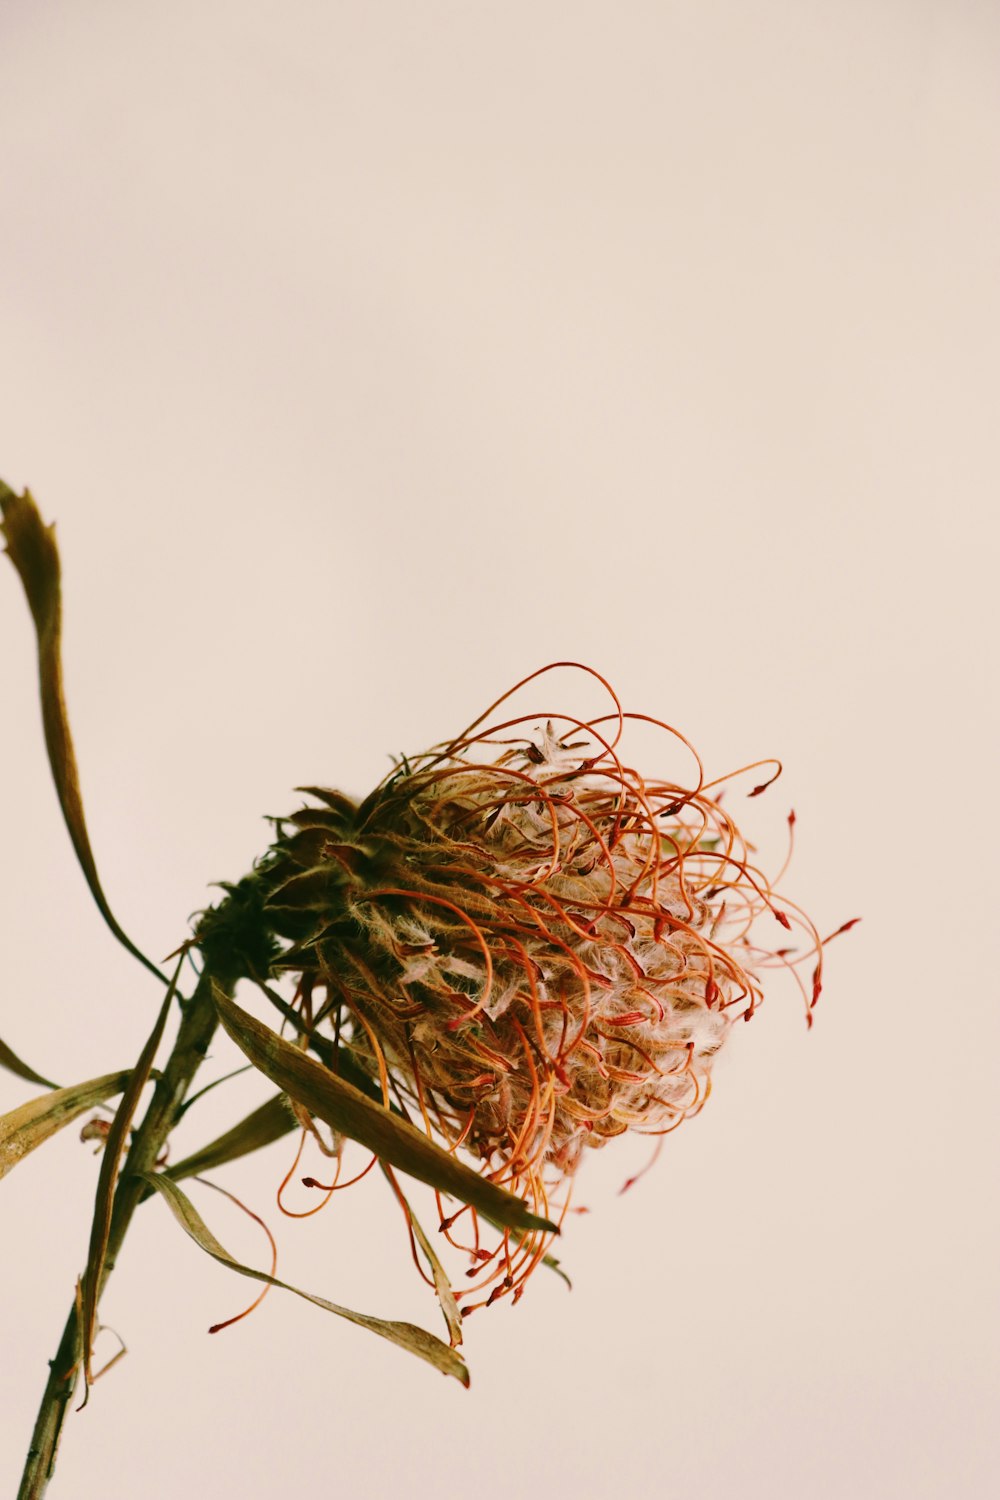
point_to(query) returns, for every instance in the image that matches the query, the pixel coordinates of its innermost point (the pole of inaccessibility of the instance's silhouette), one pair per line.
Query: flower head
(532, 946)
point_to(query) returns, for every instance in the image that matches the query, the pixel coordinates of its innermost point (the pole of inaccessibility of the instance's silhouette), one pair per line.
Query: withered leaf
(31, 547)
(266, 1124)
(416, 1340)
(555, 1265)
(13, 1064)
(442, 1286)
(33, 1123)
(547, 1260)
(340, 804)
(346, 1110)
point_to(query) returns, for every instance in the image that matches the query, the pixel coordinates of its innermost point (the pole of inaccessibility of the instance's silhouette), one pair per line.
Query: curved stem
(197, 1026)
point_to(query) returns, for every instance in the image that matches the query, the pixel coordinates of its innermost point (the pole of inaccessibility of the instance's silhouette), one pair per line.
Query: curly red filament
(533, 949)
(228, 1322)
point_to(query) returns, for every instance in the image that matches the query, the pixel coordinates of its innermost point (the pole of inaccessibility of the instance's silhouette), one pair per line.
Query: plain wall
(369, 356)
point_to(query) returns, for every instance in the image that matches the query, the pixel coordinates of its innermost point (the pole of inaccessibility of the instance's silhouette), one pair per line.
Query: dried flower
(516, 942)
(532, 948)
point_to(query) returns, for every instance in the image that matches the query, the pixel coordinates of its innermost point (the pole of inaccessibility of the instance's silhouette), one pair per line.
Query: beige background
(370, 355)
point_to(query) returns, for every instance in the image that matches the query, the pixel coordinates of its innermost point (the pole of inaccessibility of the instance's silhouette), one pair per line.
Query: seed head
(532, 946)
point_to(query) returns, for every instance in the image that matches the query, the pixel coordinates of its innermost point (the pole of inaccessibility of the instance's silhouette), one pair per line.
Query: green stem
(197, 1026)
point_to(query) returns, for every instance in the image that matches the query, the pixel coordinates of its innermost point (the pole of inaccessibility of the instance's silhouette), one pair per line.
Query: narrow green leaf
(108, 1177)
(266, 1124)
(13, 1064)
(30, 1124)
(416, 1340)
(31, 547)
(346, 1110)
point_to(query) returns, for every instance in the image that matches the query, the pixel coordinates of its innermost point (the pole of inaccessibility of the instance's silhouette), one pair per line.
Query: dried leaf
(266, 1124)
(555, 1265)
(30, 1124)
(416, 1340)
(346, 1110)
(547, 1260)
(13, 1064)
(353, 1073)
(365, 1084)
(442, 1286)
(31, 547)
(108, 1177)
(207, 1088)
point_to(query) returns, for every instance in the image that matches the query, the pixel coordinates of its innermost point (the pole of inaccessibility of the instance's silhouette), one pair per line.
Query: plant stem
(197, 1026)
